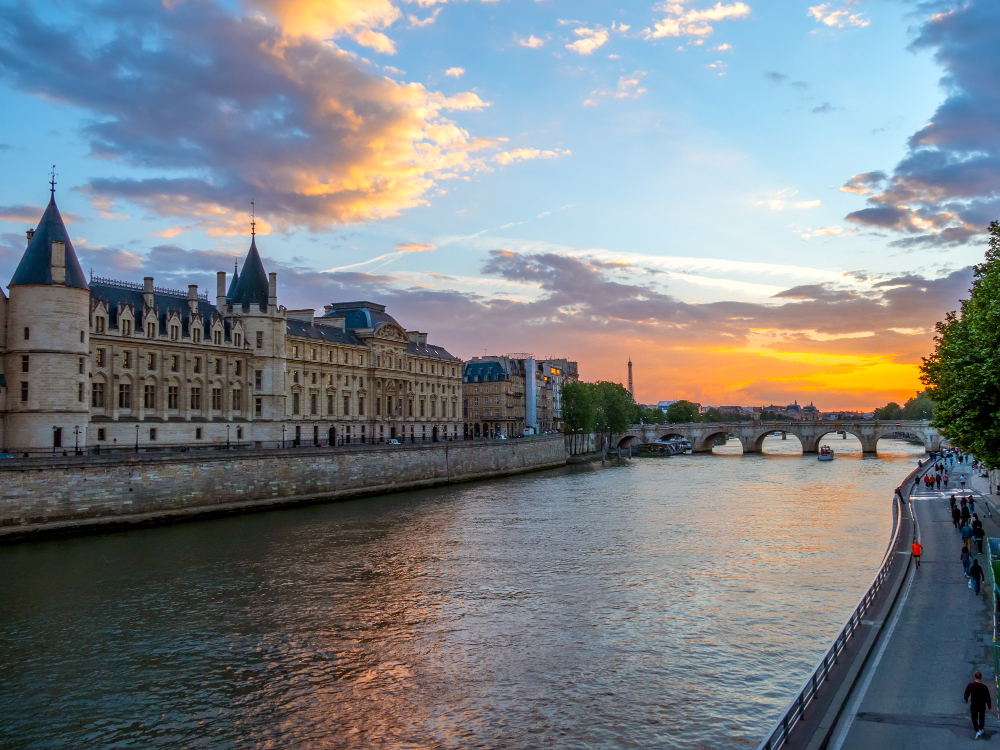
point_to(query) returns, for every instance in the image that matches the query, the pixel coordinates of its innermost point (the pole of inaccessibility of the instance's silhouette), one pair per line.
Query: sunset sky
(757, 201)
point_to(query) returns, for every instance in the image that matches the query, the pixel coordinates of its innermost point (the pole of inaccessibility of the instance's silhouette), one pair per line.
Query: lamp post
(137, 438)
(227, 437)
(282, 436)
(55, 431)
(76, 432)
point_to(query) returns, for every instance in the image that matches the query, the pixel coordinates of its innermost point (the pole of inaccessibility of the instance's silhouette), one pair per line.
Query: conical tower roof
(233, 283)
(252, 287)
(36, 263)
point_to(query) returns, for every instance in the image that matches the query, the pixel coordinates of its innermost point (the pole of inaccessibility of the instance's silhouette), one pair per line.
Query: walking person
(979, 533)
(966, 559)
(956, 517)
(961, 480)
(967, 537)
(944, 477)
(937, 481)
(976, 575)
(977, 695)
(918, 550)
(972, 504)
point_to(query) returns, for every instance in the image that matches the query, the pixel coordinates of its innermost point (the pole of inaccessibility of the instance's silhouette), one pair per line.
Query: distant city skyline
(755, 202)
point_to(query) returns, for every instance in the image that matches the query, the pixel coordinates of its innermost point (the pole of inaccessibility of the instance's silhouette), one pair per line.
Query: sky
(758, 202)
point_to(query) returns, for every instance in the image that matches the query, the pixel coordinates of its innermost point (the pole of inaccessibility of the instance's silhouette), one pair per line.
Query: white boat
(825, 453)
(674, 446)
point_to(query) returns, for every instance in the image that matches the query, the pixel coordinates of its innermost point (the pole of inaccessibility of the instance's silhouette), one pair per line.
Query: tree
(919, 407)
(681, 412)
(892, 410)
(962, 374)
(652, 416)
(578, 407)
(711, 414)
(616, 410)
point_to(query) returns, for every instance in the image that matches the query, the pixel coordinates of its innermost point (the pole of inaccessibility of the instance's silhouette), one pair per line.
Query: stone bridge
(810, 433)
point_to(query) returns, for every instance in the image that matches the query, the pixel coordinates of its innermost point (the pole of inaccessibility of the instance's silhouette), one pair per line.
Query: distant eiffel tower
(631, 390)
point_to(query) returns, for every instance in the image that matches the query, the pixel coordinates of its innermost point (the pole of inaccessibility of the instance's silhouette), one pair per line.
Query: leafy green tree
(579, 407)
(652, 416)
(711, 414)
(616, 410)
(681, 412)
(919, 407)
(892, 410)
(963, 373)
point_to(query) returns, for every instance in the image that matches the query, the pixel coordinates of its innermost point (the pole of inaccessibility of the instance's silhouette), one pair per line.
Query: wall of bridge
(810, 434)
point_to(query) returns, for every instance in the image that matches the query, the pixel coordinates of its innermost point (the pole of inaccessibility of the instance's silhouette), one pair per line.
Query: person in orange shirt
(918, 550)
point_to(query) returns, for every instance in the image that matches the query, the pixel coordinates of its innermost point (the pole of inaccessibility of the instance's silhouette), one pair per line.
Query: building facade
(106, 363)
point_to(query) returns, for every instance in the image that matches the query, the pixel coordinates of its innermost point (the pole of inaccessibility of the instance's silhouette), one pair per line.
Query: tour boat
(675, 446)
(825, 453)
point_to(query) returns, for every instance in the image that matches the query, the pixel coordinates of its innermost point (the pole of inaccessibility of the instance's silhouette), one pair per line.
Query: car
(393, 441)
(6, 455)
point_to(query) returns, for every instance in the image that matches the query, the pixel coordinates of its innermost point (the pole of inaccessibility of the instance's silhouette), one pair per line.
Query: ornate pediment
(392, 332)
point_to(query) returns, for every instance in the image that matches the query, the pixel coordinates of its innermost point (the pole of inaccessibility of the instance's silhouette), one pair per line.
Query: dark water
(672, 602)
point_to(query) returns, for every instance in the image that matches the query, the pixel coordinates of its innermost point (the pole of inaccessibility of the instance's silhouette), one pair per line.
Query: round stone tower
(48, 343)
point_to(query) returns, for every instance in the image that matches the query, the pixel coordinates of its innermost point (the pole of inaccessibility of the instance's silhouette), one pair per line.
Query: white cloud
(785, 199)
(416, 23)
(629, 87)
(532, 41)
(455, 72)
(809, 232)
(523, 154)
(838, 18)
(722, 47)
(589, 41)
(679, 21)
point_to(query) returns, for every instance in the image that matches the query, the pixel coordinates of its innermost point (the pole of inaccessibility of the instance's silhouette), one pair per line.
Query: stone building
(497, 400)
(105, 363)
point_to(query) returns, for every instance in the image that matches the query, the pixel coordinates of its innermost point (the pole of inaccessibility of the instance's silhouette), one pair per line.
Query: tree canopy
(680, 412)
(962, 375)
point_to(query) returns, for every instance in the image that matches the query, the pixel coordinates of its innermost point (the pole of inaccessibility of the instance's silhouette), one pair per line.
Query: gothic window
(217, 399)
(149, 397)
(237, 399)
(196, 399)
(97, 395)
(124, 396)
(173, 397)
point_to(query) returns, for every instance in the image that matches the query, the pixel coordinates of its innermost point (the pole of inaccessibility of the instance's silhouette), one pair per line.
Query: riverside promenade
(909, 694)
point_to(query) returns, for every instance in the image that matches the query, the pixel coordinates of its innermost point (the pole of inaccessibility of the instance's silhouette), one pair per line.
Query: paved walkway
(910, 695)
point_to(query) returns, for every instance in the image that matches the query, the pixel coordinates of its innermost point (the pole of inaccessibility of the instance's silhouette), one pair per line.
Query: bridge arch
(706, 442)
(755, 444)
(867, 441)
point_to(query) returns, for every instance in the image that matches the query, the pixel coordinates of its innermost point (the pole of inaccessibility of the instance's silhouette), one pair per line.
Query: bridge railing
(778, 735)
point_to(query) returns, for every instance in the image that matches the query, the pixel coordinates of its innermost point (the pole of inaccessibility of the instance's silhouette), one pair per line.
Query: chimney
(272, 289)
(193, 298)
(220, 291)
(147, 292)
(58, 262)
(30, 233)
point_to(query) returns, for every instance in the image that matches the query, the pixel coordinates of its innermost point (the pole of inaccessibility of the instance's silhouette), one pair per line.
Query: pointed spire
(36, 263)
(252, 287)
(234, 282)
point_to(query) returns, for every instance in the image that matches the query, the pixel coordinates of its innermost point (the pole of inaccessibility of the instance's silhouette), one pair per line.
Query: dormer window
(126, 328)
(237, 340)
(196, 334)
(151, 330)
(99, 325)
(175, 333)
(217, 337)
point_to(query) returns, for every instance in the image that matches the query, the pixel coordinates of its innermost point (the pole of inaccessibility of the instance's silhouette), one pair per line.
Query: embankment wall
(50, 495)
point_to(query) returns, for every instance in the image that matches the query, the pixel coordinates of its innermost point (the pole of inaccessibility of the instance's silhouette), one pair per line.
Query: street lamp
(227, 437)
(137, 438)
(282, 436)
(76, 432)
(55, 432)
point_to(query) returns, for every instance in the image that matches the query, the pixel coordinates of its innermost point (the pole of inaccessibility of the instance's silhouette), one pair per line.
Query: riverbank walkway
(910, 693)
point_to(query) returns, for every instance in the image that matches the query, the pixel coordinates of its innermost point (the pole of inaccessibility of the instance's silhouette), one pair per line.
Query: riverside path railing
(778, 735)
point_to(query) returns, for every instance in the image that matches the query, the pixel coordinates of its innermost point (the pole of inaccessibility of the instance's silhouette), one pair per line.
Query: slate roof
(360, 314)
(321, 332)
(36, 263)
(427, 350)
(232, 284)
(252, 288)
(114, 295)
(481, 372)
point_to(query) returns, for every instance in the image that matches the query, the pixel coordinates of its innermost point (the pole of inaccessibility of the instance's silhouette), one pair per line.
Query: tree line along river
(670, 602)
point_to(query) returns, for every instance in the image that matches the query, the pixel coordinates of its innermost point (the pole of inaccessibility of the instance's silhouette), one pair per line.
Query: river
(671, 602)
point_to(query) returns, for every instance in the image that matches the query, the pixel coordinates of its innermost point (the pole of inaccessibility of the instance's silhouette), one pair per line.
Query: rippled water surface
(672, 602)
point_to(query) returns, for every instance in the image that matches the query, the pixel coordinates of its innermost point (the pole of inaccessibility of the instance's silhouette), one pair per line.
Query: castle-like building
(102, 363)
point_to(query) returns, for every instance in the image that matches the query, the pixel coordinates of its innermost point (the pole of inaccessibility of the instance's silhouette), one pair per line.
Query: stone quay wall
(42, 496)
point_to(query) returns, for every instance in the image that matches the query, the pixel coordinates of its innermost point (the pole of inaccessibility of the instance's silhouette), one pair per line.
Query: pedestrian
(952, 501)
(918, 550)
(976, 575)
(965, 512)
(961, 480)
(977, 695)
(978, 534)
(966, 558)
(956, 517)
(937, 480)
(967, 536)
(944, 477)
(972, 504)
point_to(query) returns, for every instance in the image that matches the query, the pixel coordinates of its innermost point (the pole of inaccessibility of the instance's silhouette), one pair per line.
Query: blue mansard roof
(118, 293)
(36, 263)
(252, 287)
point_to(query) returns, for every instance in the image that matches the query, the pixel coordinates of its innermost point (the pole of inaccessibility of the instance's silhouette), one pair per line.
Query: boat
(674, 446)
(825, 453)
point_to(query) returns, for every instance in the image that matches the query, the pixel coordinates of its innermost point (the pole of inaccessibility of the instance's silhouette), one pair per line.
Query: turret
(48, 343)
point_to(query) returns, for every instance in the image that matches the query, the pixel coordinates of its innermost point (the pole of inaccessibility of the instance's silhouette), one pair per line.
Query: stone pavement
(910, 694)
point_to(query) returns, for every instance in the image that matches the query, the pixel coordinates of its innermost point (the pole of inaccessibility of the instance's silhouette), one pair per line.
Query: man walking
(967, 536)
(977, 695)
(918, 550)
(976, 575)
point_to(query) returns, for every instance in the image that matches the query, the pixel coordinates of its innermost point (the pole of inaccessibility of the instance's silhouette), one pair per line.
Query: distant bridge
(703, 436)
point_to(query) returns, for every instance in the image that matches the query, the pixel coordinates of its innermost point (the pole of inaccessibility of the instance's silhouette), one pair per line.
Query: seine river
(673, 602)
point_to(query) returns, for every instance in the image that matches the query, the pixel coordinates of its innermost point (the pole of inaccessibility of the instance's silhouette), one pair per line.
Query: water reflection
(675, 602)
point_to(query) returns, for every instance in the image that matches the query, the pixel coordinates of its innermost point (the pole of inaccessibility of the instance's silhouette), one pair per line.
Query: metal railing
(778, 735)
